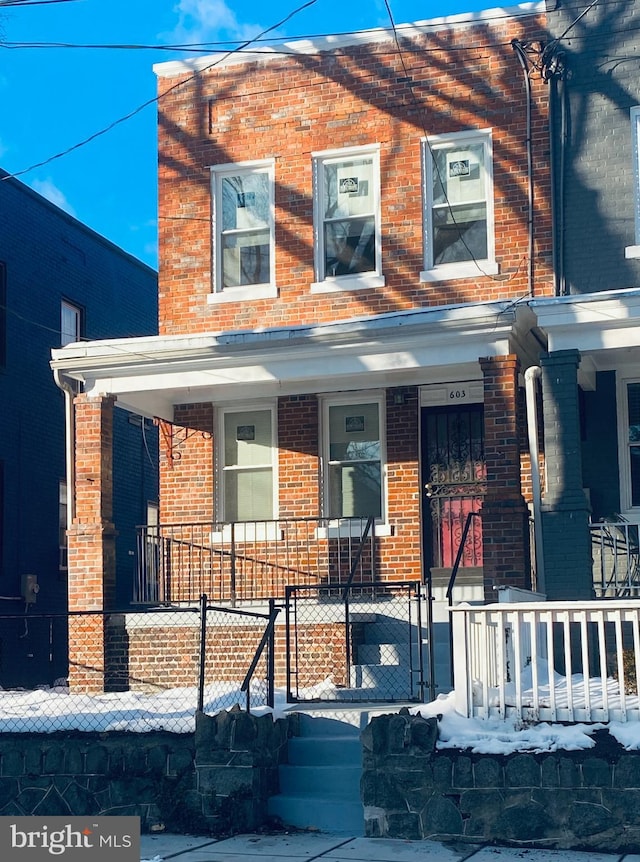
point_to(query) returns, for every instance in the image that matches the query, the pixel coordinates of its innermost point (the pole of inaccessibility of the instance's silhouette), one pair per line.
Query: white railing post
(462, 681)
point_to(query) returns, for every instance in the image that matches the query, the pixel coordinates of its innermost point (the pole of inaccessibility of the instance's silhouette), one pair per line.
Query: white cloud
(207, 21)
(48, 189)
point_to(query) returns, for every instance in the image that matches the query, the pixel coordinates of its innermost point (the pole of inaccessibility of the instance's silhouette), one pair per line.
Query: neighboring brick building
(59, 282)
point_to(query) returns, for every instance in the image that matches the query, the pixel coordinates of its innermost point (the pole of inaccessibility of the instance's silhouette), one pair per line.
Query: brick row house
(356, 254)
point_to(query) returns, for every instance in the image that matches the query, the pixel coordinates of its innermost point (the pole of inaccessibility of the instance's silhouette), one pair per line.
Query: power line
(155, 99)
(4, 3)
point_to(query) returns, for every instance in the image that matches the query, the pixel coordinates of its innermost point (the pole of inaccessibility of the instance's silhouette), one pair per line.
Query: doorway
(453, 485)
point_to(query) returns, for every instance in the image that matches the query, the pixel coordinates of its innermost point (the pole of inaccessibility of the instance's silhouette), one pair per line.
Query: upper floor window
(458, 206)
(3, 314)
(346, 194)
(633, 251)
(70, 323)
(243, 231)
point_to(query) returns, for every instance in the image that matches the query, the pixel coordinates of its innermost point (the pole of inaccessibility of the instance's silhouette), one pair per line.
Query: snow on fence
(548, 661)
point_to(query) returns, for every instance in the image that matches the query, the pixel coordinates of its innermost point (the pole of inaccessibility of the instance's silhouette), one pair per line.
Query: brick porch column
(91, 542)
(505, 517)
(565, 508)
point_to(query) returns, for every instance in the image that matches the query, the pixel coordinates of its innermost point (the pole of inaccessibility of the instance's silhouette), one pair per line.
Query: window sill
(632, 251)
(351, 530)
(248, 532)
(342, 283)
(469, 269)
(242, 294)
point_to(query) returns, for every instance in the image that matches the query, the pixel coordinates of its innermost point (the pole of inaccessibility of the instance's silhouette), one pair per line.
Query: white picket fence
(548, 661)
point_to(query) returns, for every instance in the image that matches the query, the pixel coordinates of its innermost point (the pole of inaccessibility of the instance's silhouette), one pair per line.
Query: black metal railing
(616, 559)
(250, 560)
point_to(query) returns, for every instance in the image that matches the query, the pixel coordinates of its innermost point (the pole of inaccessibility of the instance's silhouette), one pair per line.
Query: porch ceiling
(150, 375)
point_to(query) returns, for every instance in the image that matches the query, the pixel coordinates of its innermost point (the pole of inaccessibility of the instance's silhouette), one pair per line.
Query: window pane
(459, 233)
(354, 432)
(246, 259)
(247, 438)
(355, 490)
(245, 201)
(349, 246)
(69, 324)
(248, 495)
(633, 401)
(348, 188)
(458, 174)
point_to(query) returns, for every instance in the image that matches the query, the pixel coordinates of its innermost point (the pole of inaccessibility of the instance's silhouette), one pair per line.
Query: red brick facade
(287, 108)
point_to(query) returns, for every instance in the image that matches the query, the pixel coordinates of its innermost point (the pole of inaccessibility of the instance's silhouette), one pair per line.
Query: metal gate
(358, 644)
(454, 477)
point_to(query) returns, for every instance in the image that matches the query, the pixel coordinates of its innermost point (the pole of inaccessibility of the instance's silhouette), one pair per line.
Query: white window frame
(624, 458)
(247, 407)
(240, 293)
(633, 251)
(66, 337)
(357, 281)
(462, 269)
(337, 527)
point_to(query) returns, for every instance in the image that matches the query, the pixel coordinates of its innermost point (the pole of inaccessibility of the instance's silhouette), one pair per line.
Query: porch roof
(603, 326)
(149, 375)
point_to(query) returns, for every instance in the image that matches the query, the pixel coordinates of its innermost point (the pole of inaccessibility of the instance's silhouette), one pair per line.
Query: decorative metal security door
(454, 480)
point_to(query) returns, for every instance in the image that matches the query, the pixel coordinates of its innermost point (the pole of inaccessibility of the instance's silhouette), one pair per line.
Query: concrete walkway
(305, 847)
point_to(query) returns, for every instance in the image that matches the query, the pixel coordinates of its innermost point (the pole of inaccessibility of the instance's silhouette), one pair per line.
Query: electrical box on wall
(29, 588)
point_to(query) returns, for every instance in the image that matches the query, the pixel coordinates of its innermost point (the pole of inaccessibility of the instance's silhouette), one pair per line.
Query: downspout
(518, 47)
(531, 375)
(70, 435)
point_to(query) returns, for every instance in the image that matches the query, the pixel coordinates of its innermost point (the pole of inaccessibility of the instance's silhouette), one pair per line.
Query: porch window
(248, 464)
(243, 231)
(458, 206)
(347, 219)
(354, 458)
(633, 442)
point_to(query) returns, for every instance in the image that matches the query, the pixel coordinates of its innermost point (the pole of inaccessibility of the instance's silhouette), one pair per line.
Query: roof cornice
(305, 47)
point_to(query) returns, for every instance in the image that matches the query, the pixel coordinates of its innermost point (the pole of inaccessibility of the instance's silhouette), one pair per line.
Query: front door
(454, 484)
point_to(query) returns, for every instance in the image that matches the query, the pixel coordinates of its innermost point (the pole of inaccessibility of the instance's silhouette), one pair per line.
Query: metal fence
(356, 644)
(149, 669)
(249, 561)
(616, 559)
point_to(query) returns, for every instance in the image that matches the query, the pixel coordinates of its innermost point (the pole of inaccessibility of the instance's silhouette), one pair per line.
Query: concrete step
(384, 654)
(394, 679)
(331, 781)
(326, 815)
(320, 784)
(320, 750)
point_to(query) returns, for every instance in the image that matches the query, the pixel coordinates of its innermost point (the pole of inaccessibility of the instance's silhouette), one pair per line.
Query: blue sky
(54, 98)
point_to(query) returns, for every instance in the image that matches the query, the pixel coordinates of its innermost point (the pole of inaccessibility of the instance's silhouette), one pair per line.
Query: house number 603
(457, 394)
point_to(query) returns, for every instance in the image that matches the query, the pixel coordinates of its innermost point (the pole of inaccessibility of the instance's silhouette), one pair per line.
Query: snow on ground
(50, 709)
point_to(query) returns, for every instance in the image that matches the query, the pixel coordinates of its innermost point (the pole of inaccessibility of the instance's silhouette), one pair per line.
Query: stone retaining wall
(588, 799)
(214, 781)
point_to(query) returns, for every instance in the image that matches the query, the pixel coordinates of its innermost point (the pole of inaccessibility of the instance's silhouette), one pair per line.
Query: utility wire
(420, 108)
(4, 3)
(157, 98)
